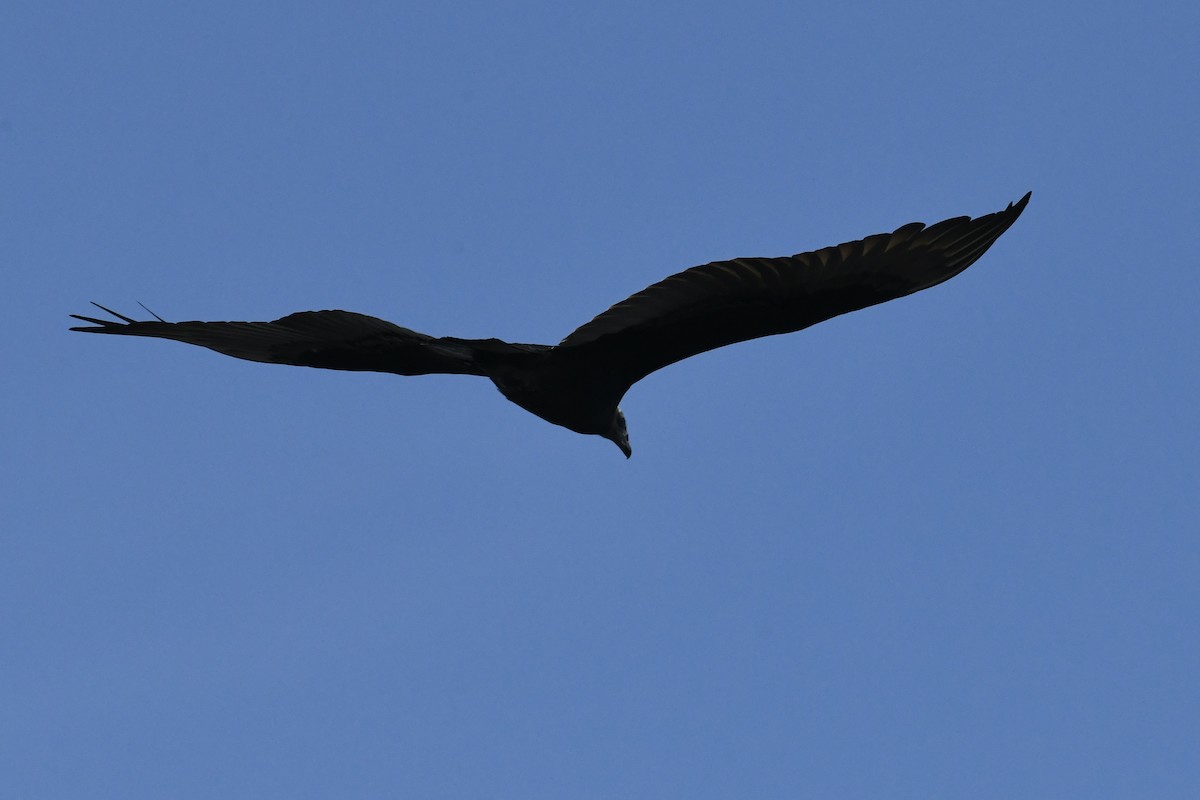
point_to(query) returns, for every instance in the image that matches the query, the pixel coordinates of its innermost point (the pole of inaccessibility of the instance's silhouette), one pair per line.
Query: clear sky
(945, 547)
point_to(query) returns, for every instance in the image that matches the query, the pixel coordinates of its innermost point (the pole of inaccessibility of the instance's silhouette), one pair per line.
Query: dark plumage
(579, 383)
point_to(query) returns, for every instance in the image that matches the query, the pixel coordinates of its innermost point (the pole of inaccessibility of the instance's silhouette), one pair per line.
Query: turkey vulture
(579, 382)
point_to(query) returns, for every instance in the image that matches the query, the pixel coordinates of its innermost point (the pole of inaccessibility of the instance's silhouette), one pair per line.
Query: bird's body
(579, 383)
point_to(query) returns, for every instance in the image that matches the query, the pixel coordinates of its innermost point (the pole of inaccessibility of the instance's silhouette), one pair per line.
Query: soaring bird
(579, 382)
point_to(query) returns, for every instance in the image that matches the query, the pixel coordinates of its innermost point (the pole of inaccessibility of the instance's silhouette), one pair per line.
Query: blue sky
(945, 547)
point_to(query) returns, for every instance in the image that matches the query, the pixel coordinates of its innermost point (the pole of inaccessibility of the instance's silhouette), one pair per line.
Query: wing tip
(105, 325)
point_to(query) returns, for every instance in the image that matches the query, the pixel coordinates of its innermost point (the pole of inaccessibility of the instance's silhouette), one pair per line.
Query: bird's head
(618, 434)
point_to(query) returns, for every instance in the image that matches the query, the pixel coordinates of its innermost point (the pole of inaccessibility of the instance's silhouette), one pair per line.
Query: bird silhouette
(579, 383)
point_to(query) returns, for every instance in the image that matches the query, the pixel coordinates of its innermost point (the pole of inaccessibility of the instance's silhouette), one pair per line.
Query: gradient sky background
(945, 547)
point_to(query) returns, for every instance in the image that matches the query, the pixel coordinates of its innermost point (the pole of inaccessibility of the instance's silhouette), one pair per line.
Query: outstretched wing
(326, 339)
(724, 302)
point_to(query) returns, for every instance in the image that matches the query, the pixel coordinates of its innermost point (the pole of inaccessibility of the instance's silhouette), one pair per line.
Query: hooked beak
(621, 440)
(618, 434)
